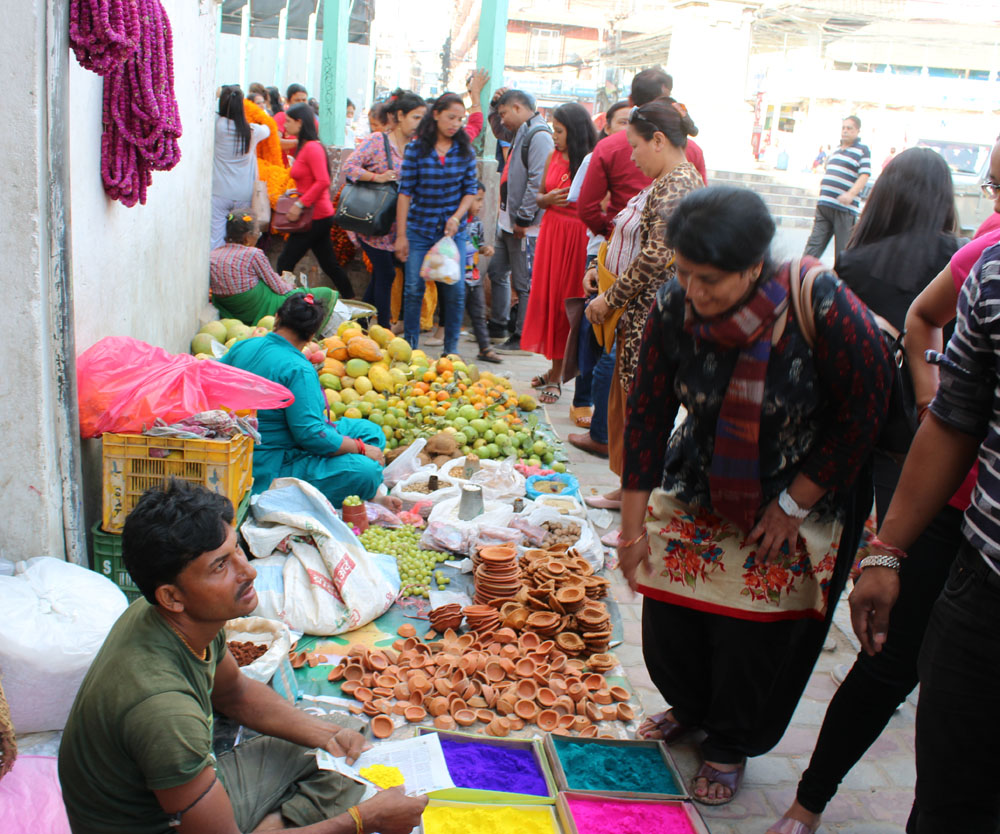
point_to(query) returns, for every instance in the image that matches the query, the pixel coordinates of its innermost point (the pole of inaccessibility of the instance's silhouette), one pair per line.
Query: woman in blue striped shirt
(437, 186)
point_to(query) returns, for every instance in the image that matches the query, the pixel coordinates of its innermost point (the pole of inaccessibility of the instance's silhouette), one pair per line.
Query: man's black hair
(517, 97)
(650, 84)
(855, 119)
(293, 89)
(169, 528)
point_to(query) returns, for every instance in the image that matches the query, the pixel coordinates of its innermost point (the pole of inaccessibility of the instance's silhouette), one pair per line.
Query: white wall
(30, 493)
(143, 271)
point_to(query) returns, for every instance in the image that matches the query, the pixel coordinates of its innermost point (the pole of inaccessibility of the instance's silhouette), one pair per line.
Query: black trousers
(958, 734)
(740, 681)
(317, 238)
(876, 686)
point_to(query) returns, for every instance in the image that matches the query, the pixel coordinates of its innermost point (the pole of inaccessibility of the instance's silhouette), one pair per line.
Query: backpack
(526, 145)
(901, 413)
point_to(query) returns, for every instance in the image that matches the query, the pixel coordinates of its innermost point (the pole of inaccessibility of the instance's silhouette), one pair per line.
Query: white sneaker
(839, 673)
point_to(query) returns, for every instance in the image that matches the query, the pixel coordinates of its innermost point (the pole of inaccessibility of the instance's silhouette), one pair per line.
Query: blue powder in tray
(602, 767)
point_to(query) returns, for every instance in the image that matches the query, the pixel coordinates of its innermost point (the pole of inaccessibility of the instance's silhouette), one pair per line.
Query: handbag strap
(388, 150)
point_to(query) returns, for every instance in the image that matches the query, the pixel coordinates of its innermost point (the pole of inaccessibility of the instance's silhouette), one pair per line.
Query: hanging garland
(130, 43)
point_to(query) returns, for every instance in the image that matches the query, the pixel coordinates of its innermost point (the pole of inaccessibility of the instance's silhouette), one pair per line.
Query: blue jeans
(600, 386)
(451, 297)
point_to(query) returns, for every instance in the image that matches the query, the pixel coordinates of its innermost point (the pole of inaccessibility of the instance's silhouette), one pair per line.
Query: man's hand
(497, 95)
(487, 251)
(392, 812)
(347, 743)
(402, 247)
(774, 529)
(872, 599)
(520, 231)
(590, 281)
(451, 227)
(846, 198)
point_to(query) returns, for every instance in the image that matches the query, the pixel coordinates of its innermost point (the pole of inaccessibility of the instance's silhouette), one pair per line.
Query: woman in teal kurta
(340, 459)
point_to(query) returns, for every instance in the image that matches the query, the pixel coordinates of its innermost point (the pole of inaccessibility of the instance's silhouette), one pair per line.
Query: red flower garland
(140, 116)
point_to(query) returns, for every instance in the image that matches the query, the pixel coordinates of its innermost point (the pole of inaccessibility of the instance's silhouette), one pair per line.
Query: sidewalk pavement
(875, 797)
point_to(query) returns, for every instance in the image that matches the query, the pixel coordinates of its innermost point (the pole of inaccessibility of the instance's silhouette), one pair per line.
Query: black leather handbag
(368, 208)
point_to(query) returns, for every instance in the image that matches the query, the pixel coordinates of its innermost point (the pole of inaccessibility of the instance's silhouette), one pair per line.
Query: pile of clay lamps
(502, 680)
(446, 616)
(497, 575)
(482, 618)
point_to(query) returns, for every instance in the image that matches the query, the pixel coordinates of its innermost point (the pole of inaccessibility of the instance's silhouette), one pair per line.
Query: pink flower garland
(140, 115)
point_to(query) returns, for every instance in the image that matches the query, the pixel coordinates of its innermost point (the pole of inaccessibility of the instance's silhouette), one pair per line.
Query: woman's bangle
(622, 545)
(876, 544)
(361, 446)
(356, 816)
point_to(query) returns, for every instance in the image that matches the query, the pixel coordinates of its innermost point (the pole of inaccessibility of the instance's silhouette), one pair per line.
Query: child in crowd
(475, 293)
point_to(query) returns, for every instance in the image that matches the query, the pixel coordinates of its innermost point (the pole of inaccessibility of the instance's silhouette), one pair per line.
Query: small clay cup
(589, 732)
(546, 697)
(415, 714)
(619, 693)
(526, 689)
(485, 715)
(437, 706)
(465, 717)
(382, 726)
(526, 709)
(350, 687)
(625, 712)
(547, 720)
(363, 693)
(445, 722)
(566, 721)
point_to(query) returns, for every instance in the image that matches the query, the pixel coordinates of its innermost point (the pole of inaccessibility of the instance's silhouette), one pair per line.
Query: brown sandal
(550, 393)
(668, 729)
(728, 779)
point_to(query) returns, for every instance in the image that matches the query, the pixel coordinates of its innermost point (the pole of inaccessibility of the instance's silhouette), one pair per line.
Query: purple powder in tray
(486, 767)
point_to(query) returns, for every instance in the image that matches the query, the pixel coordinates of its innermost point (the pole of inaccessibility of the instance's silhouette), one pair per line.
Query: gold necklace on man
(202, 656)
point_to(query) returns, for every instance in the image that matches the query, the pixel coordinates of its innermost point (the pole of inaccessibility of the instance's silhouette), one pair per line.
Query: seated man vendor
(339, 459)
(136, 754)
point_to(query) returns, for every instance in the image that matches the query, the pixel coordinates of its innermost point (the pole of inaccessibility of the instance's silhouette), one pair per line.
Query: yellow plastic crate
(134, 462)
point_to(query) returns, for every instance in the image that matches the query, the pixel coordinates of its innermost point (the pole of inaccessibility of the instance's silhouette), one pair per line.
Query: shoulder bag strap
(388, 150)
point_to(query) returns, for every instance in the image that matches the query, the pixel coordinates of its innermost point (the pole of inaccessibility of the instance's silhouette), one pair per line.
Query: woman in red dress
(561, 251)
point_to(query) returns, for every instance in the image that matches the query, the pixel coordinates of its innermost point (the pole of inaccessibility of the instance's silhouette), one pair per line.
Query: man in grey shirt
(520, 215)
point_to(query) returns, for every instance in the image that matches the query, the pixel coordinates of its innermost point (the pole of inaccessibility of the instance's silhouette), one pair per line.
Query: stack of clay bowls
(498, 575)
(502, 680)
(482, 618)
(594, 626)
(446, 616)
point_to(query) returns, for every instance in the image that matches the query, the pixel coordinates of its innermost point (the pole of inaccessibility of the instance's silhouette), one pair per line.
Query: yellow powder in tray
(485, 819)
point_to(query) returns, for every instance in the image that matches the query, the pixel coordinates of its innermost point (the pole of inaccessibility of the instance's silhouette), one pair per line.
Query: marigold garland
(270, 149)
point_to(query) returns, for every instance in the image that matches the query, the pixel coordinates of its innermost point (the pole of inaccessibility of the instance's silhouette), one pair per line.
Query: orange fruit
(430, 376)
(442, 396)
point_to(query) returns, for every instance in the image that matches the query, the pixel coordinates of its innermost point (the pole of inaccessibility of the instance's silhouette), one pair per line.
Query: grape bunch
(416, 566)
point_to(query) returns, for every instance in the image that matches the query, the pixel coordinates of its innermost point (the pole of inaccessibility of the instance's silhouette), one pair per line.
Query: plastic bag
(55, 618)
(264, 632)
(124, 385)
(588, 545)
(448, 532)
(442, 262)
(447, 488)
(535, 486)
(329, 583)
(489, 536)
(406, 464)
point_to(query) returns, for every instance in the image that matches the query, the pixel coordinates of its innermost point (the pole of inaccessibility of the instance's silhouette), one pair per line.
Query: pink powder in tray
(617, 816)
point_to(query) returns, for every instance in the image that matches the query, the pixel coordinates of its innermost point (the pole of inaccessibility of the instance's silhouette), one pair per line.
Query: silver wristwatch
(880, 560)
(789, 507)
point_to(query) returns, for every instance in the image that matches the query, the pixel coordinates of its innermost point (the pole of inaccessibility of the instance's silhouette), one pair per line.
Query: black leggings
(317, 238)
(876, 686)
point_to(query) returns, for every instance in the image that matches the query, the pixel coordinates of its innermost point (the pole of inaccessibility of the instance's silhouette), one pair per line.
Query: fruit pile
(416, 566)
(377, 376)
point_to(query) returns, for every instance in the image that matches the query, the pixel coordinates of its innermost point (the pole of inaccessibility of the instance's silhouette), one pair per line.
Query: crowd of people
(754, 412)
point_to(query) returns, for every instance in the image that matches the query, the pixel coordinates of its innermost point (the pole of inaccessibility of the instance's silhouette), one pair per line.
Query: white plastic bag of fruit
(442, 262)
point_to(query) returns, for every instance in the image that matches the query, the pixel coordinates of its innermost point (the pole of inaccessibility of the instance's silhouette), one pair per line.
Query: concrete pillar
(490, 56)
(333, 72)
(709, 49)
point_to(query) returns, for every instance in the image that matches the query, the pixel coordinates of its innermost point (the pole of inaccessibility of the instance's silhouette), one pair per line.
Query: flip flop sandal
(732, 780)
(669, 729)
(786, 825)
(540, 381)
(581, 415)
(489, 356)
(546, 395)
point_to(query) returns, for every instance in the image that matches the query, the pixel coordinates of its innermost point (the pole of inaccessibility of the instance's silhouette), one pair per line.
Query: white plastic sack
(448, 489)
(406, 464)
(588, 545)
(264, 632)
(446, 531)
(54, 617)
(329, 583)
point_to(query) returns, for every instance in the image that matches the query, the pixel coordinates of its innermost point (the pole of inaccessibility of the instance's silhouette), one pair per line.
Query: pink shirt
(989, 224)
(312, 179)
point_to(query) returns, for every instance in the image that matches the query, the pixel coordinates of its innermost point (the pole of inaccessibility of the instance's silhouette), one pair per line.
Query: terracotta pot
(401, 691)
(625, 712)
(516, 723)
(566, 721)
(378, 661)
(399, 708)
(442, 686)
(456, 705)
(485, 715)
(353, 672)
(529, 640)
(415, 714)
(382, 691)
(581, 707)
(526, 709)
(356, 516)
(477, 702)
(619, 693)
(581, 723)
(576, 691)
(499, 727)
(382, 726)
(489, 694)
(445, 722)
(602, 696)
(437, 706)
(546, 697)
(589, 732)
(465, 717)
(594, 712)
(594, 681)
(526, 689)
(547, 720)
(609, 713)
(494, 671)
(525, 668)
(369, 709)
(363, 693)
(350, 687)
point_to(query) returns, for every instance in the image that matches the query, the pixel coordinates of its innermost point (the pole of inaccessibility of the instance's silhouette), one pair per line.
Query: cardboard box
(698, 825)
(548, 810)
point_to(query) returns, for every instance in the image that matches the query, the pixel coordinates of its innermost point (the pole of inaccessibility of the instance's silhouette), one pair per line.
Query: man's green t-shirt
(142, 720)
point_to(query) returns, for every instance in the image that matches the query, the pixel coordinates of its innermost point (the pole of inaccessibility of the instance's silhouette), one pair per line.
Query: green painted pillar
(490, 56)
(333, 72)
